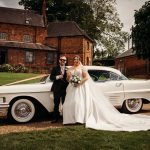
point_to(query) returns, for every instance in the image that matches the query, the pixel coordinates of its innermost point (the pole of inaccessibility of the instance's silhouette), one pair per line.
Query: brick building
(131, 66)
(25, 39)
(70, 40)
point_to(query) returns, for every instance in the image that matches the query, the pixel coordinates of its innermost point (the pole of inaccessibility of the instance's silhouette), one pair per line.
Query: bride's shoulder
(83, 68)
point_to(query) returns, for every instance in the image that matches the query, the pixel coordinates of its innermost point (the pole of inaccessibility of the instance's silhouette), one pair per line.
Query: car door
(110, 84)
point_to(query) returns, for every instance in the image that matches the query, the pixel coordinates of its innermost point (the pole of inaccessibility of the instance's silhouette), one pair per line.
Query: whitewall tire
(22, 110)
(132, 105)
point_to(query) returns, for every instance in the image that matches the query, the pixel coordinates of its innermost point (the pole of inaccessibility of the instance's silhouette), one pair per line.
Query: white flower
(75, 80)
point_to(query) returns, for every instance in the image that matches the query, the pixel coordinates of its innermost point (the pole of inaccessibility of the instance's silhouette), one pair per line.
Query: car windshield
(45, 79)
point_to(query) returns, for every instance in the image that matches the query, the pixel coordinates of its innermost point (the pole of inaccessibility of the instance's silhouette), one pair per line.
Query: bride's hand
(76, 84)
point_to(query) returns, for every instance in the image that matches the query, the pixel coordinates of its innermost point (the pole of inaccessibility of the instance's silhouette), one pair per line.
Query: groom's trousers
(58, 96)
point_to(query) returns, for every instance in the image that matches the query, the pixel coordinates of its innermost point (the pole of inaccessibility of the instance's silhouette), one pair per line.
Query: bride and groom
(85, 103)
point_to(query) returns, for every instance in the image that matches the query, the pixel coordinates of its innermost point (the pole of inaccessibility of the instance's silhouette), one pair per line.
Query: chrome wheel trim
(23, 110)
(134, 105)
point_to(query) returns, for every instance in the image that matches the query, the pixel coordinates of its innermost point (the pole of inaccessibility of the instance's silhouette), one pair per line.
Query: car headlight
(2, 99)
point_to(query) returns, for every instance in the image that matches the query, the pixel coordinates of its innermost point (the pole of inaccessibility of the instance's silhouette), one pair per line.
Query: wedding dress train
(87, 104)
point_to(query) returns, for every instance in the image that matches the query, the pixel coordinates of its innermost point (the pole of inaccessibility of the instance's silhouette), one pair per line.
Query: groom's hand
(59, 77)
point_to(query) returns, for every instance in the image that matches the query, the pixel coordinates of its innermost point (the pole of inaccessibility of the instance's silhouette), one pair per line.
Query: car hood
(36, 87)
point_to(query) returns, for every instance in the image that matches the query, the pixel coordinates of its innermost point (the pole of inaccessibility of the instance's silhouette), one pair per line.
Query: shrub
(20, 68)
(16, 68)
(6, 68)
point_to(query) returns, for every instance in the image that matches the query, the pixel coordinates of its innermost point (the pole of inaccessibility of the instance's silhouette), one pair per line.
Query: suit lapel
(59, 70)
(65, 69)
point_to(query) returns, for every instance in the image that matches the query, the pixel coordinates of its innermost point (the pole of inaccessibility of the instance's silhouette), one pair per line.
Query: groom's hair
(63, 56)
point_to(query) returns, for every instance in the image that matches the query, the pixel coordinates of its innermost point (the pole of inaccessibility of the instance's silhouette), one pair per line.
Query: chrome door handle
(118, 84)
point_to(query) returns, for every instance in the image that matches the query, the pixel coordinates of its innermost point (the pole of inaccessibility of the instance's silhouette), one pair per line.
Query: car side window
(94, 74)
(104, 76)
(114, 76)
(99, 75)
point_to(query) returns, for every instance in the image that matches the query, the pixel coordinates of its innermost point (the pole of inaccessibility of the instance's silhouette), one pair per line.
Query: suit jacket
(60, 84)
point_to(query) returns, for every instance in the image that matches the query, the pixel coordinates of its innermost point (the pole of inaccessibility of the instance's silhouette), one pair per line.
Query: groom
(58, 76)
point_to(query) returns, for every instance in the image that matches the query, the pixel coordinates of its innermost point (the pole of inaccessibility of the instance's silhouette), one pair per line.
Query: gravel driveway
(6, 127)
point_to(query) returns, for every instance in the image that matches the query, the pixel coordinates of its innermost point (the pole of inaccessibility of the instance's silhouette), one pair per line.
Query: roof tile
(14, 44)
(19, 16)
(66, 28)
(126, 53)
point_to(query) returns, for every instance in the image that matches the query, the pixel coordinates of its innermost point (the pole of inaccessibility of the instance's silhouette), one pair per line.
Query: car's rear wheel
(132, 105)
(22, 110)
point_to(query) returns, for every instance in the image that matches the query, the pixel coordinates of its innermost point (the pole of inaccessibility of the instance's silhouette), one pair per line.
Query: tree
(141, 32)
(58, 10)
(98, 18)
(111, 38)
(61, 10)
(33, 4)
(83, 15)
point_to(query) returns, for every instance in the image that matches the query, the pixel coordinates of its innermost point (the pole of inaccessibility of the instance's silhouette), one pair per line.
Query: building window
(3, 36)
(3, 56)
(51, 58)
(29, 57)
(27, 38)
(88, 45)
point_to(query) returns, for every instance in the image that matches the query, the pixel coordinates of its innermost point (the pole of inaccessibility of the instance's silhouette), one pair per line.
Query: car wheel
(132, 105)
(22, 110)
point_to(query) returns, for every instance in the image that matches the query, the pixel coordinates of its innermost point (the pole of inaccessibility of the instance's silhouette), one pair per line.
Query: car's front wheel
(132, 105)
(22, 110)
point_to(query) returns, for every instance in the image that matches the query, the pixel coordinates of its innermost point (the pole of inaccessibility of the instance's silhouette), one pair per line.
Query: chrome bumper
(4, 110)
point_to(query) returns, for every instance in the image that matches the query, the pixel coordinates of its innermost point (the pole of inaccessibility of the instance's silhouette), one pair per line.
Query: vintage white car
(21, 102)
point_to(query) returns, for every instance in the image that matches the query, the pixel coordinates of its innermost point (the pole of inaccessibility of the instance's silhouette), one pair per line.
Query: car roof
(102, 68)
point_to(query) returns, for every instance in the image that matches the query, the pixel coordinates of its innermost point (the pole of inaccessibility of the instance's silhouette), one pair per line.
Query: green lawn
(75, 138)
(6, 78)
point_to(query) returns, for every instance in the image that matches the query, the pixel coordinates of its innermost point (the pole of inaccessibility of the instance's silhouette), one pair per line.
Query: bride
(85, 104)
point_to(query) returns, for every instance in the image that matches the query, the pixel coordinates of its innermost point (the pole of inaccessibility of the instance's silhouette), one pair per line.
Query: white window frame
(29, 56)
(27, 38)
(51, 58)
(3, 36)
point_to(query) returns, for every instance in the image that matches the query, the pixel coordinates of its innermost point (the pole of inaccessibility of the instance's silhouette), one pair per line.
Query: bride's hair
(77, 56)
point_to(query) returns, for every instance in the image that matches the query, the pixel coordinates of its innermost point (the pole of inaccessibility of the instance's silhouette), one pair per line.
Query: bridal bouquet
(75, 80)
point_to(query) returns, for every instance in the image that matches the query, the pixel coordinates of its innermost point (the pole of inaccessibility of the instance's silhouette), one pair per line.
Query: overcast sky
(125, 8)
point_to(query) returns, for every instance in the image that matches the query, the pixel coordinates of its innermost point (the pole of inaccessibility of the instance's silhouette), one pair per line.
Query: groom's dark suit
(58, 88)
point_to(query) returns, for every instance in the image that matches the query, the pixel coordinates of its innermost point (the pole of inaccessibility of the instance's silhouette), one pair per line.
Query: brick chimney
(44, 12)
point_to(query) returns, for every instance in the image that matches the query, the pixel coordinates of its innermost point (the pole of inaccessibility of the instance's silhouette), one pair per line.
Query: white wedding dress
(87, 104)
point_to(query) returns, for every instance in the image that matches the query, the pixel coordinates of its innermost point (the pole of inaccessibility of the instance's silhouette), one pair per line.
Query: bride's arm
(84, 75)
